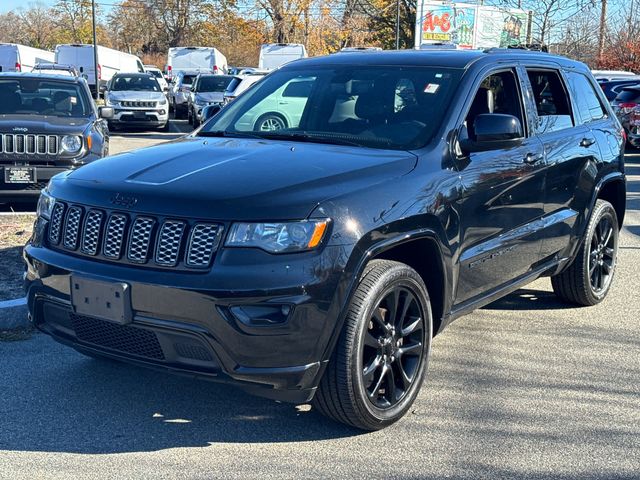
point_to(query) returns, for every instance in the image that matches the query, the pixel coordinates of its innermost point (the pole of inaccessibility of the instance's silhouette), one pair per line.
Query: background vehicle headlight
(278, 237)
(109, 102)
(45, 204)
(162, 102)
(71, 143)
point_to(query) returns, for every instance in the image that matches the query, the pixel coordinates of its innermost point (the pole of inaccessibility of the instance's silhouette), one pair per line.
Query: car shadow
(77, 404)
(529, 299)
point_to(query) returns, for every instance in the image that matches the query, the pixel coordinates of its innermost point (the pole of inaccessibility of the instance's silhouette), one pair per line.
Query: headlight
(45, 204)
(278, 237)
(163, 101)
(71, 143)
(110, 102)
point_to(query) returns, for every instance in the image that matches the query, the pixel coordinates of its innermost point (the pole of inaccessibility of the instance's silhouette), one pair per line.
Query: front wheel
(378, 365)
(588, 279)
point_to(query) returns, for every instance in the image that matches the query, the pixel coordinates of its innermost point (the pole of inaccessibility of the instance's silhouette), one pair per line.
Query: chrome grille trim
(114, 236)
(29, 144)
(145, 240)
(138, 104)
(203, 243)
(139, 238)
(55, 223)
(72, 228)
(91, 232)
(169, 242)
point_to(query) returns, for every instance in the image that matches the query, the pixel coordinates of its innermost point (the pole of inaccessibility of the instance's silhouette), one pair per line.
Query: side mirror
(210, 111)
(493, 131)
(103, 88)
(105, 112)
(165, 89)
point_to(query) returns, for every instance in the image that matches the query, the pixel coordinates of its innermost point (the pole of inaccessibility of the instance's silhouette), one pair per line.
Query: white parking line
(16, 302)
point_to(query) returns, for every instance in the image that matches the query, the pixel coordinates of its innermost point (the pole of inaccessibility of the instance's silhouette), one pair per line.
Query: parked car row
(622, 90)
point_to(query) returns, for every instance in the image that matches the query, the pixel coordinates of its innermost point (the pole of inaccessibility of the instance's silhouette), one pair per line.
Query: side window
(552, 102)
(588, 105)
(498, 93)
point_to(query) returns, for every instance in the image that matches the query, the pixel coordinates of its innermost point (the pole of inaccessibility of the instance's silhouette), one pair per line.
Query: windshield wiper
(224, 133)
(308, 137)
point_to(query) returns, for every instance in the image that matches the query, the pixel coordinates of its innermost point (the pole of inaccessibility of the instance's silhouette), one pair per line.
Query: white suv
(137, 100)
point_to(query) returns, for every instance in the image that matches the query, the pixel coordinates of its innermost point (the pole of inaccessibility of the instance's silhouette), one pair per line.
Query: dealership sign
(470, 26)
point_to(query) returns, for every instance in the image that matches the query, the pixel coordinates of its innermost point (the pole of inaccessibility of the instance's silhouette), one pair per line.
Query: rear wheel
(588, 279)
(270, 122)
(379, 363)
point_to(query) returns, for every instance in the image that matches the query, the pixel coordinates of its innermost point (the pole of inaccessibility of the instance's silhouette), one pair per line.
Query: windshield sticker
(431, 88)
(74, 100)
(438, 75)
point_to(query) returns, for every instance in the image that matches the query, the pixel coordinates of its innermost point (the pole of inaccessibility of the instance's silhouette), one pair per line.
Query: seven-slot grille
(28, 144)
(139, 239)
(138, 104)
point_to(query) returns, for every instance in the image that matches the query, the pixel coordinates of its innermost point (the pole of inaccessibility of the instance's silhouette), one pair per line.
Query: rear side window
(588, 105)
(551, 99)
(628, 96)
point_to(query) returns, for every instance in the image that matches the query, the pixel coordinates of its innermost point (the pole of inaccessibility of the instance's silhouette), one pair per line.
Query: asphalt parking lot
(523, 388)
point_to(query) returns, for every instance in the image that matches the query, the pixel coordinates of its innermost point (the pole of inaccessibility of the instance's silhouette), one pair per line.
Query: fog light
(261, 316)
(162, 112)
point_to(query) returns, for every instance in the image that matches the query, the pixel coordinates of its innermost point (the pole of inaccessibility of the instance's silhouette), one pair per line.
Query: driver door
(502, 199)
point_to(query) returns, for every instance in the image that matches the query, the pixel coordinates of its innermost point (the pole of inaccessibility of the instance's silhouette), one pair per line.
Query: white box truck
(110, 62)
(274, 55)
(195, 60)
(20, 58)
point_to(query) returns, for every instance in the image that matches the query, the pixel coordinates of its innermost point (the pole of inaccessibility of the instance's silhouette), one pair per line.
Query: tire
(589, 277)
(189, 116)
(357, 388)
(270, 122)
(196, 122)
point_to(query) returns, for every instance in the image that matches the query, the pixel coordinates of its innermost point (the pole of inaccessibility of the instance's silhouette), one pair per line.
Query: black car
(48, 124)
(315, 262)
(612, 88)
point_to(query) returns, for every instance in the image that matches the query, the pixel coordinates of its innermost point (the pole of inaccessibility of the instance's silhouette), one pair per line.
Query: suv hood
(43, 124)
(231, 179)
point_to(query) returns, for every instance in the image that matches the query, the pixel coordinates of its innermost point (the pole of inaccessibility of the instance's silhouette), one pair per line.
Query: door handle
(587, 142)
(531, 158)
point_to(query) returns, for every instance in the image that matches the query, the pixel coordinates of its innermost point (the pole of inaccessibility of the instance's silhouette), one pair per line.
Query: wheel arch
(613, 189)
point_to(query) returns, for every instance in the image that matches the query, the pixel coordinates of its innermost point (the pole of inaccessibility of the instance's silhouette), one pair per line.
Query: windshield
(134, 82)
(155, 73)
(378, 107)
(28, 96)
(214, 83)
(188, 79)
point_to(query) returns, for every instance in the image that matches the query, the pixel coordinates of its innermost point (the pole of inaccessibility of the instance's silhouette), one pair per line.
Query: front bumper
(150, 117)
(190, 323)
(199, 107)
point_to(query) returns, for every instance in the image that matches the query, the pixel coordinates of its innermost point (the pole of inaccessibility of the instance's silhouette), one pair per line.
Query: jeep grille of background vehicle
(28, 144)
(128, 238)
(136, 104)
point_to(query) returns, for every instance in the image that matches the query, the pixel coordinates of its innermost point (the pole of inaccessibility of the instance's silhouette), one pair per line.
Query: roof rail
(532, 47)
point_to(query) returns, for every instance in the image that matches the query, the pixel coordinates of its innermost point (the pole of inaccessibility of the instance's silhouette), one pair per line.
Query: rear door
(502, 199)
(571, 152)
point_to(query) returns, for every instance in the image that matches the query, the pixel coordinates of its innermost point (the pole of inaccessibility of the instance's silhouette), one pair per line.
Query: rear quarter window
(588, 105)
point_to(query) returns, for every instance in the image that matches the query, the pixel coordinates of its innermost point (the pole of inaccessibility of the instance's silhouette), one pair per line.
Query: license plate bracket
(20, 175)
(107, 300)
(139, 115)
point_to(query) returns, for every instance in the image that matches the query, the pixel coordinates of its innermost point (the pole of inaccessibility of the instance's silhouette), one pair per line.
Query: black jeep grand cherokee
(316, 260)
(48, 124)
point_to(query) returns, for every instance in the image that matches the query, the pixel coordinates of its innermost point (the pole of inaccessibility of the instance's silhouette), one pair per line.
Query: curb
(13, 314)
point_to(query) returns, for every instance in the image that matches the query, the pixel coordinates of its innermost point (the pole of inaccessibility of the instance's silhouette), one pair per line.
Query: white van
(20, 58)
(110, 62)
(195, 60)
(274, 55)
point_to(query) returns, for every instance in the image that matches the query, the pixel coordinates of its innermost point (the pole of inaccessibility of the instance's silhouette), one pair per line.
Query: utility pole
(603, 30)
(95, 48)
(397, 24)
